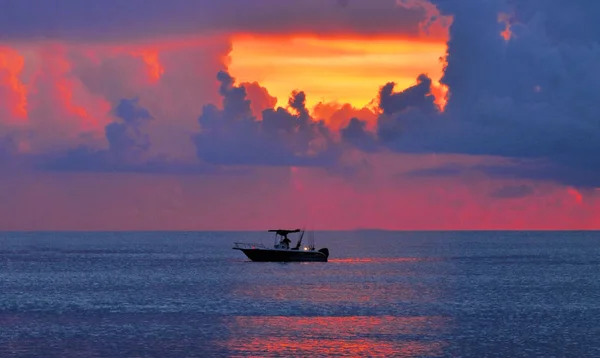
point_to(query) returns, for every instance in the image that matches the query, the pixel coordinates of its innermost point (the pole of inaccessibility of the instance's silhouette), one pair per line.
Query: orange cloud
(66, 90)
(259, 98)
(506, 19)
(440, 92)
(575, 194)
(62, 93)
(152, 61)
(59, 100)
(15, 92)
(338, 116)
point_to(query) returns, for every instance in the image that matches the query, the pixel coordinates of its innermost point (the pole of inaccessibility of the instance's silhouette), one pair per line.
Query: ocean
(382, 294)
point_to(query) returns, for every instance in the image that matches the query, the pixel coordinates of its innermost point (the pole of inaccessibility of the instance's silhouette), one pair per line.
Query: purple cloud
(128, 145)
(118, 20)
(233, 136)
(533, 97)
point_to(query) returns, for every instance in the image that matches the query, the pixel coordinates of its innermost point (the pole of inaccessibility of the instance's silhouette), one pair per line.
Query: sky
(325, 114)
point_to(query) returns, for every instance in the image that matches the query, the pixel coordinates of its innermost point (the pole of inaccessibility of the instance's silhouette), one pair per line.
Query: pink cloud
(263, 198)
(143, 19)
(58, 95)
(61, 95)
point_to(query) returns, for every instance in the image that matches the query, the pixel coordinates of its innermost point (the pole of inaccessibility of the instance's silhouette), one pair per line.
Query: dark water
(381, 295)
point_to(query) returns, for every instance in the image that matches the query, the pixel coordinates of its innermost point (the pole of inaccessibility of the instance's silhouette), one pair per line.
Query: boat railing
(246, 245)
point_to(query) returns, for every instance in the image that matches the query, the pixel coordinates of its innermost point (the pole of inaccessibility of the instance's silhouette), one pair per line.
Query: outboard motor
(324, 251)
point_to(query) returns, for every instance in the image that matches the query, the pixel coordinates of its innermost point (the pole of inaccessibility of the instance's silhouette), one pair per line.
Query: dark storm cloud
(117, 19)
(535, 97)
(234, 136)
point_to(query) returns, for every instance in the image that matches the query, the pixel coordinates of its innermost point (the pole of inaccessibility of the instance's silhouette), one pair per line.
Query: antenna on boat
(300, 240)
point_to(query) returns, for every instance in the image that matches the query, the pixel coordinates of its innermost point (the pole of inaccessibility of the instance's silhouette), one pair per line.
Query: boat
(281, 250)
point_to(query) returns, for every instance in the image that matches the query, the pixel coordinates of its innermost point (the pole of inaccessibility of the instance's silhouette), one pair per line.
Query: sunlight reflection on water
(384, 336)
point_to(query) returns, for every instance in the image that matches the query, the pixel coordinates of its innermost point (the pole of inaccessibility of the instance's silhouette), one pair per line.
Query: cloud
(259, 98)
(446, 170)
(148, 130)
(512, 192)
(165, 75)
(57, 97)
(514, 169)
(234, 136)
(13, 101)
(532, 98)
(127, 135)
(338, 116)
(130, 149)
(7, 148)
(128, 143)
(356, 134)
(49, 108)
(138, 19)
(418, 96)
(405, 117)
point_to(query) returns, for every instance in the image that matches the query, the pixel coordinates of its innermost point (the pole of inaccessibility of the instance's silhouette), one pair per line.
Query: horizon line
(321, 230)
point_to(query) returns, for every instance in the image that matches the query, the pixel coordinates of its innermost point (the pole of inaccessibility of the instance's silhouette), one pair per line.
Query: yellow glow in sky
(341, 70)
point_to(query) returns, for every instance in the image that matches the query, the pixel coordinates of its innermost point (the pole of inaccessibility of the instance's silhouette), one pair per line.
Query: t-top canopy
(284, 232)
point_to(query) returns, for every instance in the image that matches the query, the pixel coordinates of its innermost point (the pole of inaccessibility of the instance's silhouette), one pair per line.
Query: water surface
(382, 294)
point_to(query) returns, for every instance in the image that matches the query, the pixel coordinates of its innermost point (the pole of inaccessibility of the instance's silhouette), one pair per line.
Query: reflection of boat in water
(281, 251)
